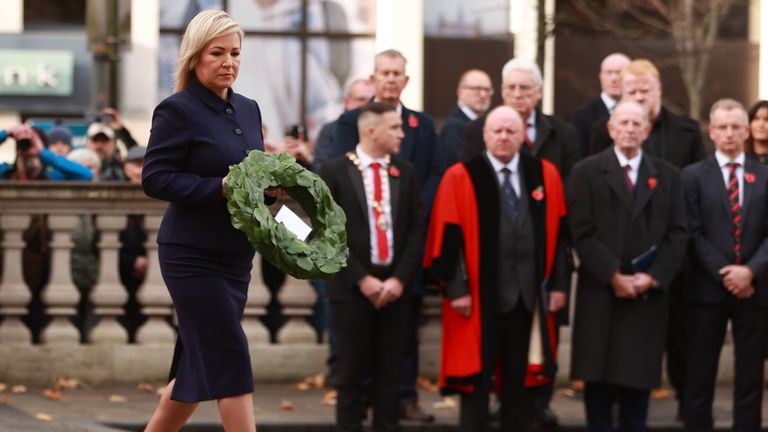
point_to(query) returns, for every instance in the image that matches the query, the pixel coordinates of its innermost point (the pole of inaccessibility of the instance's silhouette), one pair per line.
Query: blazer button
(229, 111)
(238, 131)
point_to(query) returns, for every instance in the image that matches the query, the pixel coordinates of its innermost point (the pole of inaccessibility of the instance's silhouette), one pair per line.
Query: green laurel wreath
(319, 258)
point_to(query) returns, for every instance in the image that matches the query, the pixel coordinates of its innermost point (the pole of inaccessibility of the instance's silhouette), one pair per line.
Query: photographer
(105, 129)
(35, 162)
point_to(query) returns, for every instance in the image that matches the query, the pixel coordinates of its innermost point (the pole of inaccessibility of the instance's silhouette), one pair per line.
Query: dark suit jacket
(709, 220)
(681, 143)
(346, 185)
(584, 119)
(555, 141)
(195, 137)
(452, 135)
(616, 340)
(420, 147)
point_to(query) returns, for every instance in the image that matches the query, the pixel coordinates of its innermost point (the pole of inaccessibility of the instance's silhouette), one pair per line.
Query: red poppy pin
(652, 182)
(749, 177)
(413, 121)
(538, 193)
(393, 171)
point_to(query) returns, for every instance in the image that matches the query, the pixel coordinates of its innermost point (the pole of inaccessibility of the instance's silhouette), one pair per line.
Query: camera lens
(24, 144)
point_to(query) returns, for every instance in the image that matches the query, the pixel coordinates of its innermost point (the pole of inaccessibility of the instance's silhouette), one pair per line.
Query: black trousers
(707, 326)
(371, 343)
(676, 333)
(512, 336)
(599, 399)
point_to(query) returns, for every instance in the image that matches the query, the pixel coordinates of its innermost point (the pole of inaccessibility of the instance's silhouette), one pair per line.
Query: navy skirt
(209, 289)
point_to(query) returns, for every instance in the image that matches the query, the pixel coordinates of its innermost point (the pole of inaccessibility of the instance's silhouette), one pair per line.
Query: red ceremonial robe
(465, 221)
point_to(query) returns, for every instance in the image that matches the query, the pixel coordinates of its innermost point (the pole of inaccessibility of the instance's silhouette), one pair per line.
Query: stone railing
(98, 347)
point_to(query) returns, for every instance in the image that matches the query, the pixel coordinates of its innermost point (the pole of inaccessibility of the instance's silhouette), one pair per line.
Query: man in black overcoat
(628, 227)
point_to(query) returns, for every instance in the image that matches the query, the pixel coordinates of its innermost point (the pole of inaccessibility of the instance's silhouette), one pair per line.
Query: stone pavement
(279, 408)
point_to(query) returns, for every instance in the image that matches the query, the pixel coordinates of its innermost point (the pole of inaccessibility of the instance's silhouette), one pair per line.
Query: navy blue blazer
(709, 221)
(195, 137)
(420, 147)
(452, 135)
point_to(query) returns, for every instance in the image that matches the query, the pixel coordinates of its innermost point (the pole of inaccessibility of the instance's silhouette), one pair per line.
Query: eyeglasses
(479, 89)
(523, 88)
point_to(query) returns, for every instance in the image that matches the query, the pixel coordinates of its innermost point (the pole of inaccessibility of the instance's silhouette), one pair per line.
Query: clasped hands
(463, 305)
(631, 286)
(737, 279)
(381, 293)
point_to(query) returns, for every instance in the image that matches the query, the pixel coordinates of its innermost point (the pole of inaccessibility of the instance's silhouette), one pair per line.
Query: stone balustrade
(56, 328)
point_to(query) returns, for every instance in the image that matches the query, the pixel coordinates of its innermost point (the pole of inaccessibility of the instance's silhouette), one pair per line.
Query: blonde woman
(196, 134)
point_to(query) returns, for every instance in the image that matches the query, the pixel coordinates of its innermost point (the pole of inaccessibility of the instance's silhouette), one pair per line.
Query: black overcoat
(621, 341)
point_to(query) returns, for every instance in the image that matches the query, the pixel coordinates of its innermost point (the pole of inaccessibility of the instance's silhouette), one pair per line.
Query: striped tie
(733, 200)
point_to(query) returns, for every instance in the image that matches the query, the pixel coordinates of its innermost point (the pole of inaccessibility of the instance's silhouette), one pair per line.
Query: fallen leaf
(52, 394)
(44, 417)
(577, 385)
(330, 397)
(426, 384)
(145, 388)
(286, 405)
(18, 389)
(4, 400)
(117, 398)
(661, 394)
(447, 403)
(319, 381)
(304, 386)
(3, 386)
(65, 383)
(567, 392)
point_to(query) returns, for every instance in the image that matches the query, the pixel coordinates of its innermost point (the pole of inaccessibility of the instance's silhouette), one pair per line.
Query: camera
(295, 131)
(98, 117)
(23, 144)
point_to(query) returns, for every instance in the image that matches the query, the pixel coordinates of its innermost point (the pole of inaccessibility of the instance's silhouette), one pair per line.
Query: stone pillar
(14, 294)
(60, 295)
(297, 298)
(256, 306)
(153, 295)
(108, 295)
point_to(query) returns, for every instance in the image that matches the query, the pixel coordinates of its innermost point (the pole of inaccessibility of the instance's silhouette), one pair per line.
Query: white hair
(84, 156)
(518, 64)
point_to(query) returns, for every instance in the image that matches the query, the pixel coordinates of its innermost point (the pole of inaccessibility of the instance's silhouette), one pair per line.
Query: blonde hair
(641, 67)
(204, 27)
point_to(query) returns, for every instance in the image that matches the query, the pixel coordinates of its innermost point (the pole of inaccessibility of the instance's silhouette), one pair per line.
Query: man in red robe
(493, 245)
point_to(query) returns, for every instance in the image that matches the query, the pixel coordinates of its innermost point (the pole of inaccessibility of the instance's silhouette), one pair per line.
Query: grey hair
(518, 64)
(728, 104)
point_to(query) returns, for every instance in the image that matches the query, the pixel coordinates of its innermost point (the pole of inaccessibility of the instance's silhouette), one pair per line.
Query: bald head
(610, 74)
(503, 133)
(475, 90)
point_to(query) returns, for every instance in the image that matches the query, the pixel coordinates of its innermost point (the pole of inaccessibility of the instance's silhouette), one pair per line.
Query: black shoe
(413, 412)
(546, 417)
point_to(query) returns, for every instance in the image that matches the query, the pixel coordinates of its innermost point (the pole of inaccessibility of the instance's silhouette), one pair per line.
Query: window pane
(460, 18)
(41, 14)
(176, 14)
(342, 16)
(270, 73)
(168, 54)
(267, 15)
(331, 65)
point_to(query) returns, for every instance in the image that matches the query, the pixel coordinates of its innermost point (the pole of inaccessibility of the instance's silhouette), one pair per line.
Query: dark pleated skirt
(209, 289)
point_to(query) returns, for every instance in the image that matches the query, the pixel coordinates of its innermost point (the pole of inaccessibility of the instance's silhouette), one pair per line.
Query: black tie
(509, 191)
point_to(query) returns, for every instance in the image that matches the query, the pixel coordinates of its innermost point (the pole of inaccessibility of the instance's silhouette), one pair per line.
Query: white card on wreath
(293, 223)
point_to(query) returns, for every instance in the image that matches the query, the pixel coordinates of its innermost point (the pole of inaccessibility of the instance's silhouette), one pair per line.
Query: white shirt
(634, 164)
(722, 161)
(366, 162)
(531, 131)
(467, 111)
(609, 102)
(498, 165)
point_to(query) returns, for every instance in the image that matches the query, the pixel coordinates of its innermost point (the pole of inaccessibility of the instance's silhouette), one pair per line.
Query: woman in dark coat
(197, 133)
